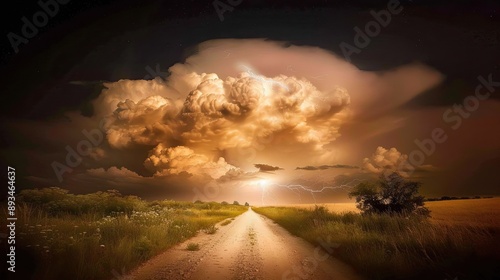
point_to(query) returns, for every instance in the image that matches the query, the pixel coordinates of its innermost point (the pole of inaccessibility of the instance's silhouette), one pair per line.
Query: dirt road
(250, 247)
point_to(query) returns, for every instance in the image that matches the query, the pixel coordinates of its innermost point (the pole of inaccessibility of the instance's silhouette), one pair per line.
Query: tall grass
(93, 244)
(396, 247)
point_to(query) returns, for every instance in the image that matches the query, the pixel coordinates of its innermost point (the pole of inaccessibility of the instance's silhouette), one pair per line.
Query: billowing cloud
(225, 114)
(149, 121)
(386, 160)
(235, 112)
(175, 160)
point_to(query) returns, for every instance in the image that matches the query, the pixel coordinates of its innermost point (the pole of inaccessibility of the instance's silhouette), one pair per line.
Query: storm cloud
(267, 168)
(323, 167)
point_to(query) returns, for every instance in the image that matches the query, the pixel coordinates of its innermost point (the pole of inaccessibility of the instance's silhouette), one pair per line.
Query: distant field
(471, 212)
(333, 207)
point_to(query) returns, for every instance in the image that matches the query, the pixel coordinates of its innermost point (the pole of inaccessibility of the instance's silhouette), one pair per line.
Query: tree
(236, 203)
(392, 194)
(246, 204)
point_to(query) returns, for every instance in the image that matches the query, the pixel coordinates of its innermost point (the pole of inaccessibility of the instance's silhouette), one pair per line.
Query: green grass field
(102, 235)
(461, 241)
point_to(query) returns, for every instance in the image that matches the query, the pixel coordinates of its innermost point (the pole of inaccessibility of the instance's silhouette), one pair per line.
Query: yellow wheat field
(471, 212)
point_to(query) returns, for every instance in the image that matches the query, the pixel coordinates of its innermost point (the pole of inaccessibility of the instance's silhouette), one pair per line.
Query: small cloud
(266, 167)
(113, 171)
(237, 175)
(387, 160)
(97, 154)
(391, 160)
(323, 167)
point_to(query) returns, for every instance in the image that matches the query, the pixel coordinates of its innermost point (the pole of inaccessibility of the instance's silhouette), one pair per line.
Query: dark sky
(96, 41)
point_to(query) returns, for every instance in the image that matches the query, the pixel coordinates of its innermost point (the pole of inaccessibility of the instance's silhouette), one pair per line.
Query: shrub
(392, 194)
(210, 230)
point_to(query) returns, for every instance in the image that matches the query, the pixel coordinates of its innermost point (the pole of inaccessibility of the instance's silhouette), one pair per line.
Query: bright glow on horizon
(263, 183)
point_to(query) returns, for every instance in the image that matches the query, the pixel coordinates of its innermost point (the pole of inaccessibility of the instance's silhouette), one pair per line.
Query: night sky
(424, 62)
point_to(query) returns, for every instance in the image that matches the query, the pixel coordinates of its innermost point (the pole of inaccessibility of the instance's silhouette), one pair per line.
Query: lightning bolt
(261, 78)
(299, 189)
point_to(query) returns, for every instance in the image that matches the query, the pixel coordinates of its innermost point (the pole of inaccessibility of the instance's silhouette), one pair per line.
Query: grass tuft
(193, 247)
(212, 229)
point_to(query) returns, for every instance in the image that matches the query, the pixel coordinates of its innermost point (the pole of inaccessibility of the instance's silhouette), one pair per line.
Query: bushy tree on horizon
(392, 194)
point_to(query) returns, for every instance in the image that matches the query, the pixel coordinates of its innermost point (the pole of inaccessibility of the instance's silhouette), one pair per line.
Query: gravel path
(250, 247)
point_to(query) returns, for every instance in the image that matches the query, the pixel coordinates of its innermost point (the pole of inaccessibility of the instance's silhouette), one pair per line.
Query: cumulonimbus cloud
(223, 114)
(198, 118)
